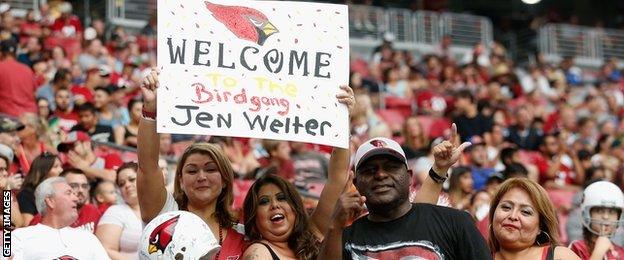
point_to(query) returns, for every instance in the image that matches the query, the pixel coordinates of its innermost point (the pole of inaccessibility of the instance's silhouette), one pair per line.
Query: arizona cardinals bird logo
(160, 238)
(378, 143)
(66, 257)
(246, 23)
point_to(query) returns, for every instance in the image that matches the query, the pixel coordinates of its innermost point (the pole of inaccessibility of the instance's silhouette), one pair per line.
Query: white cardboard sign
(261, 69)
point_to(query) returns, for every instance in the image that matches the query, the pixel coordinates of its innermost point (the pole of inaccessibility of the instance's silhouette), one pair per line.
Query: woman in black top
(44, 166)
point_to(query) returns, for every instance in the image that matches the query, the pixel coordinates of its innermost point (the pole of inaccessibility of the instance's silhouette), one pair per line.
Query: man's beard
(80, 204)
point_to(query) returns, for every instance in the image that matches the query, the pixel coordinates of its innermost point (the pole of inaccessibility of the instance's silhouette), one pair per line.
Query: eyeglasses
(84, 186)
(4, 169)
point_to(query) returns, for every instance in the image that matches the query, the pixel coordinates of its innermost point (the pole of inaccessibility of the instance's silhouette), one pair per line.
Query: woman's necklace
(220, 242)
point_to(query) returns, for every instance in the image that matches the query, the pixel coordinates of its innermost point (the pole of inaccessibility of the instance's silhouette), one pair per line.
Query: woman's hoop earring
(540, 233)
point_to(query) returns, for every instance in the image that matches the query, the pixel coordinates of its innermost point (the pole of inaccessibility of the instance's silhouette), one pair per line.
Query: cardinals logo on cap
(246, 23)
(378, 143)
(161, 236)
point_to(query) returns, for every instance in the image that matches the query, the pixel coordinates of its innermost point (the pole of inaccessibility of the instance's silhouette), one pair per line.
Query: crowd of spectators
(72, 105)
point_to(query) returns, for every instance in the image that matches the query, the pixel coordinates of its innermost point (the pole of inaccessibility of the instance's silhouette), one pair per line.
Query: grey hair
(46, 190)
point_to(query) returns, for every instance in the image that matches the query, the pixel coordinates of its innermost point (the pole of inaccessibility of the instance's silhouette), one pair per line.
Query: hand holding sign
(148, 87)
(448, 152)
(346, 97)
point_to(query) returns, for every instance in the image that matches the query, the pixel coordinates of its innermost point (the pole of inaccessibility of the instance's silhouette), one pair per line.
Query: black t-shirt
(102, 133)
(426, 231)
(26, 201)
(468, 127)
(528, 139)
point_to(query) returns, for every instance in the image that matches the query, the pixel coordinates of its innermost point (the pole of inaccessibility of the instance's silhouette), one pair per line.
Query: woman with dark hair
(603, 156)
(276, 220)
(524, 224)
(43, 109)
(120, 227)
(132, 129)
(394, 86)
(44, 166)
(460, 187)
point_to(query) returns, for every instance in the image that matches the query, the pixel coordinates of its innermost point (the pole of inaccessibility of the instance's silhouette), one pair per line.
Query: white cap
(90, 33)
(4, 7)
(378, 146)
(389, 37)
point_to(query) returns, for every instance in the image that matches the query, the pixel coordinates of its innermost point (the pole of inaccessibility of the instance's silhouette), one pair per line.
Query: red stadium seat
(391, 117)
(401, 105)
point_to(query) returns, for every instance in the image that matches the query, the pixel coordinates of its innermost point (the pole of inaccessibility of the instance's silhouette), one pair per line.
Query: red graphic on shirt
(411, 252)
(246, 23)
(398, 250)
(66, 257)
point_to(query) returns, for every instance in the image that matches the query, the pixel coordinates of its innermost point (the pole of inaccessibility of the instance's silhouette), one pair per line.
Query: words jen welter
(279, 125)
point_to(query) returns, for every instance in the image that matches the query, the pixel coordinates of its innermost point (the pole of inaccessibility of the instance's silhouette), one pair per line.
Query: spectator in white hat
(394, 227)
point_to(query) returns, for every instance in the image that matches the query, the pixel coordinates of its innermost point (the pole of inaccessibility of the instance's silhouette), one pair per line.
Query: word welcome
(274, 61)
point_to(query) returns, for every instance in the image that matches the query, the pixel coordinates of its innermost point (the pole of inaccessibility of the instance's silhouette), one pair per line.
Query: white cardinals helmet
(177, 235)
(602, 194)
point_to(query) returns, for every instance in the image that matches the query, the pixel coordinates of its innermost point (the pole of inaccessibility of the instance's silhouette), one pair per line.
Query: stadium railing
(589, 46)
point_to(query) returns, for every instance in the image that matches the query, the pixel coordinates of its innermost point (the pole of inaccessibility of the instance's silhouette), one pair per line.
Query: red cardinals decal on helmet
(161, 236)
(66, 257)
(378, 143)
(246, 23)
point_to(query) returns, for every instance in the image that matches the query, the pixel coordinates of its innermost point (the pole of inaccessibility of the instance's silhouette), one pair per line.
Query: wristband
(436, 177)
(149, 115)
